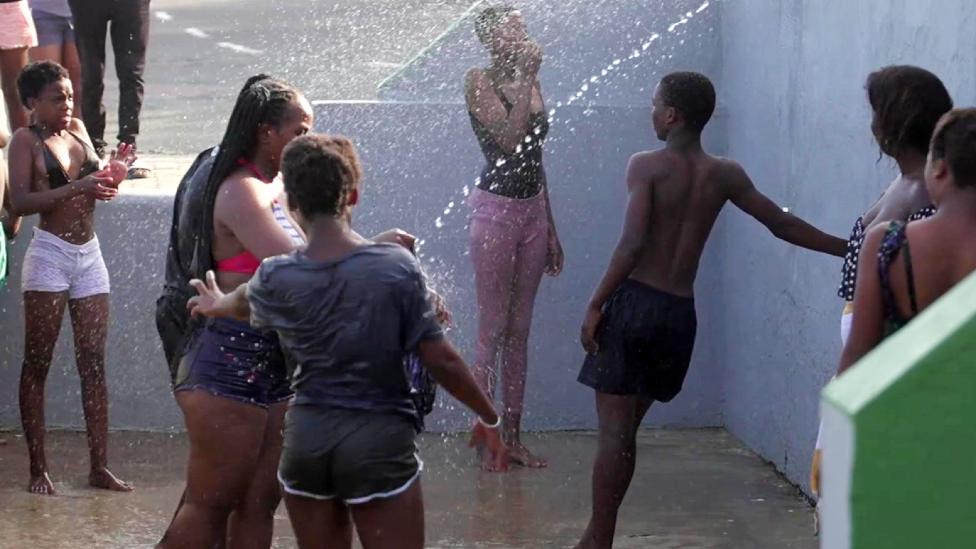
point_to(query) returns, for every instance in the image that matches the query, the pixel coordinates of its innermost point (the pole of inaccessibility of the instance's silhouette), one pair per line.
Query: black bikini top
(56, 174)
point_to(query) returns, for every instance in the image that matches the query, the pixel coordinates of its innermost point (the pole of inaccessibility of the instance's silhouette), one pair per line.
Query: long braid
(262, 100)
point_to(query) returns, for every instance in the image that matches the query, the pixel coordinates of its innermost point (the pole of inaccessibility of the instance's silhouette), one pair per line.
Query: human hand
(591, 322)
(398, 237)
(530, 58)
(125, 154)
(440, 309)
(205, 303)
(491, 439)
(554, 255)
(98, 185)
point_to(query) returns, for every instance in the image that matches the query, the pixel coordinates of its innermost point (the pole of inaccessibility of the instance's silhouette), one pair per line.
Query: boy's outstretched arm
(783, 225)
(627, 251)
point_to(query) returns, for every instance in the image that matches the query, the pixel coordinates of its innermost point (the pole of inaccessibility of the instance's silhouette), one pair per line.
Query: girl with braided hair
(230, 380)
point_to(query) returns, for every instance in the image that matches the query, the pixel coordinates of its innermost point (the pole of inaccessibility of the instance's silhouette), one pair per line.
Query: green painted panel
(913, 404)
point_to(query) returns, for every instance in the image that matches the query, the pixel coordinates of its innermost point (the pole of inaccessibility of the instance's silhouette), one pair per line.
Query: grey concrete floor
(697, 489)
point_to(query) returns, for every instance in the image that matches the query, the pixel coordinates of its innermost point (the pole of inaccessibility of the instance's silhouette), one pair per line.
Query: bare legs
(89, 323)
(11, 62)
(231, 488)
(619, 419)
(42, 324)
(508, 272)
(43, 312)
(251, 525)
(389, 523)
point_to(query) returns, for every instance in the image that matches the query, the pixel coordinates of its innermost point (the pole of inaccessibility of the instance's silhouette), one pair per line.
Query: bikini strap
(909, 273)
(252, 168)
(51, 162)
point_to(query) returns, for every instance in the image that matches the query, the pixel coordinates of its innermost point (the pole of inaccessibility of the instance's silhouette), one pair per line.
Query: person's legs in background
(130, 36)
(17, 34)
(91, 25)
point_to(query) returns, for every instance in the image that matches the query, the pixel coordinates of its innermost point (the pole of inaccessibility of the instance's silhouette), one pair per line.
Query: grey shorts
(350, 455)
(53, 30)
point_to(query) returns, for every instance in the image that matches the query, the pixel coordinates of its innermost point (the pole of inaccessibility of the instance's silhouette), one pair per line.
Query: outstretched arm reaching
(213, 303)
(625, 254)
(783, 225)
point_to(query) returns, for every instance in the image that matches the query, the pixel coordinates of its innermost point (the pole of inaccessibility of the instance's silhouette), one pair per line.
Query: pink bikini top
(245, 262)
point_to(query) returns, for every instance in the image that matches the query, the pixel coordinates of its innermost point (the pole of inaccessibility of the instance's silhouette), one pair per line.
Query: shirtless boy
(640, 324)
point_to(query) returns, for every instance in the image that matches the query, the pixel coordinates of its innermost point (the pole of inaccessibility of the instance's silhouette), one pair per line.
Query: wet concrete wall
(579, 39)
(418, 158)
(794, 73)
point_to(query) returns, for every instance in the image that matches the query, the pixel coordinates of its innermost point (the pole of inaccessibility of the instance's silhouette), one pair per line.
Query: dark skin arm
(867, 326)
(450, 372)
(508, 129)
(626, 254)
(783, 225)
(24, 201)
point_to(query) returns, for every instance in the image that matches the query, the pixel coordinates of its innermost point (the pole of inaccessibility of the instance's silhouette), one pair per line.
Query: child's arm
(626, 253)
(213, 303)
(784, 226)
(450, 372)
(23, 201)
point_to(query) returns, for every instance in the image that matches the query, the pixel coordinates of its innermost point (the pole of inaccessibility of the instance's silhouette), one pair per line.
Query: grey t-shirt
(347, 324)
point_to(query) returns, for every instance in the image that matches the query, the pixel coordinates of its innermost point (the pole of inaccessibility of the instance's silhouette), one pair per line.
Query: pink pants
(509, 241)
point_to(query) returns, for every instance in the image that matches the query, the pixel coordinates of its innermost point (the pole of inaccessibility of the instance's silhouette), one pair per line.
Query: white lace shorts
(53, 265)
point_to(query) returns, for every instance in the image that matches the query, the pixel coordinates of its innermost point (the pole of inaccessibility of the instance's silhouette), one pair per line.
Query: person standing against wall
(513, 236)
(56, 41)
(127, 21)
(16, 36)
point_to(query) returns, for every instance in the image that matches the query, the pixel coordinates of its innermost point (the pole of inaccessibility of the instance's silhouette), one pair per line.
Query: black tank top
(517, 175)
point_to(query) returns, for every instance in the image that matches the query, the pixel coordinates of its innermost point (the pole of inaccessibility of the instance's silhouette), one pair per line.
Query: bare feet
(41, 485)
(103, 479)
(520, 455)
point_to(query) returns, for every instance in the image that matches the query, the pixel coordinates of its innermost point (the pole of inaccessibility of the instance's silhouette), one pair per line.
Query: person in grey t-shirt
(348, 311)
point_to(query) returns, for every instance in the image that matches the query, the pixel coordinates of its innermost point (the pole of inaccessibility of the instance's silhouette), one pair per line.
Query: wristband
(497, 424)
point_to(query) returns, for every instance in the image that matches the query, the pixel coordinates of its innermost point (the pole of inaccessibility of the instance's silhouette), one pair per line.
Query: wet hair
(692, 94)
(489, 19)
(35, 77)
(262, 100)
(954, 141)
(319, 172)
(908, 102)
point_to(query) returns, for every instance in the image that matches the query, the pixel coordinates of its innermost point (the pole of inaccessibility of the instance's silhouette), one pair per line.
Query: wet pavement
(201, 51)
(695, 489)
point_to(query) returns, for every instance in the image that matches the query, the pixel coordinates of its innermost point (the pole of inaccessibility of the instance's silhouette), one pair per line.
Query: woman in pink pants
(512, 235)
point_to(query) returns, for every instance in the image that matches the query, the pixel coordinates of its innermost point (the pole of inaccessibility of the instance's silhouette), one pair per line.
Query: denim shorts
(231, 359)
(53, 30)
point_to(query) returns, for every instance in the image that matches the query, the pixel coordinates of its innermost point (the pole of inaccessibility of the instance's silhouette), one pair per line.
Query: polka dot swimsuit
(849, 271)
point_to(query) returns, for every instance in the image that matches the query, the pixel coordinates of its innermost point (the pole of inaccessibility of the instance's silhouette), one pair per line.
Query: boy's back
(640, 325)
(683, 197)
